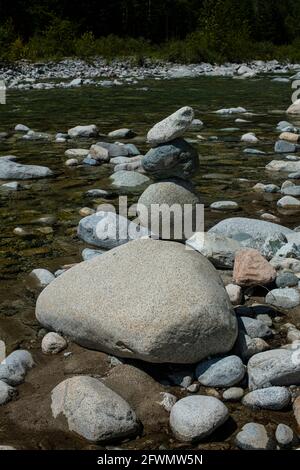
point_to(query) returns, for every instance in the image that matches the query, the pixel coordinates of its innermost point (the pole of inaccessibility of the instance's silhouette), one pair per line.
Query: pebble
(22, 128)
(7, 393)
(235, 294)
(271, 398)
(15, 366)
(88, 253)
(287, 202)
(72, 162)
(254, 327)
(274, 367)
(220, 372)
(53, 343)
(254, 436)
(13, 186)
(250, 137)
(86, 211)
(121, 134)
(43, 276)
(283, 298)
(248, 347)
(296, 409)
(233, 394)
(284, 435)
(83, 131)
(77, 153)
(224, 206)
(168, 401)
(286, 279)
(195, 417)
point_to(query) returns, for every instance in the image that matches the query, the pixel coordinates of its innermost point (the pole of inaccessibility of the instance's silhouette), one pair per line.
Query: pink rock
(252, 269)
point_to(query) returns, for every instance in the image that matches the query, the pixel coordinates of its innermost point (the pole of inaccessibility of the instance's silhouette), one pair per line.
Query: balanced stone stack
(172, 161)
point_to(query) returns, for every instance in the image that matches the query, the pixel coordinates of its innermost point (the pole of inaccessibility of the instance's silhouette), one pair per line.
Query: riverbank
(74, 73)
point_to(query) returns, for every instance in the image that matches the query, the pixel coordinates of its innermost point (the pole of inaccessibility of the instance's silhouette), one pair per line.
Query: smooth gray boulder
(220, 372)
(10, 169)
(109, 230)
(270, 398)
(172, 127)
(196, 417)
(15, 366)
(252, 227)
(274, 367)
(93, 410)
(254, 436)
(151, 300)
(114, 150)
(217, 248)
(129, 179)
(177, 159)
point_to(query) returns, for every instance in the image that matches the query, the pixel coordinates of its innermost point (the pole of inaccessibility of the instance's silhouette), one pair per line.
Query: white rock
(53, 343)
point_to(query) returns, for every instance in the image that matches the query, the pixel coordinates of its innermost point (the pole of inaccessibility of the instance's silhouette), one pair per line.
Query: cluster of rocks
(73, 73)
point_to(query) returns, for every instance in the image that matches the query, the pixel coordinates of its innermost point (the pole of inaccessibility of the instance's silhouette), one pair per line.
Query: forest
(175, 30)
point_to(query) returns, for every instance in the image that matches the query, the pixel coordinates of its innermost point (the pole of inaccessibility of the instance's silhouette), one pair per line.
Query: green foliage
(175, 30)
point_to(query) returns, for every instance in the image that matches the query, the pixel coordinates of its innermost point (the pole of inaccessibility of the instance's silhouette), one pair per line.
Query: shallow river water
(222, 164)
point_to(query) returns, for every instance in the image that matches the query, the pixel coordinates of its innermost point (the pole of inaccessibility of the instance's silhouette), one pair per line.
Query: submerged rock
(9, 169)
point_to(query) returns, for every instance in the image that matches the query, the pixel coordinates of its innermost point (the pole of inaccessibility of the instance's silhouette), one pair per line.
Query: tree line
(183, 30)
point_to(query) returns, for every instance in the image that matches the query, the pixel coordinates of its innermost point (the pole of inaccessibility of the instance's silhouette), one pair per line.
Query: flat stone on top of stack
(170, 155)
